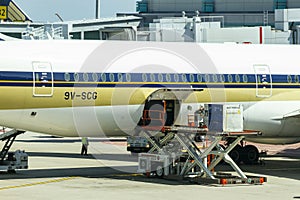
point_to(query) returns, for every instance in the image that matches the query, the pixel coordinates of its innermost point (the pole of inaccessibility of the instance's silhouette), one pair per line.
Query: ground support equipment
(10, 161)
(176, 155)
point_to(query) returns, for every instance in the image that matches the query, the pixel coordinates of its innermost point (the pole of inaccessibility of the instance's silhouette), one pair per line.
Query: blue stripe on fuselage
(152, 80)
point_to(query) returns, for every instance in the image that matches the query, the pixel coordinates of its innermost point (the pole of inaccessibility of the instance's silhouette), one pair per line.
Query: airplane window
(85, 77)
(215, 78)
(237, 78)
(168, 77)
(103, 77)
(111, 77)
(67, 77)
(176, 77)
(128, 77)
(160, 78)
(289, 79)
(222, 78)
(192, 78)
(199, 78)
(245, 78)
(230, 79)
(183, 77)
(76, 77)
(144, 77)
(95, 77)
(207, 79)
(120, 77)
(152, 77)
(296, 79)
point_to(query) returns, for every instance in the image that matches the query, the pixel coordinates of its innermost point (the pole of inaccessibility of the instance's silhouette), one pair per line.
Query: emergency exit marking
(3, 12)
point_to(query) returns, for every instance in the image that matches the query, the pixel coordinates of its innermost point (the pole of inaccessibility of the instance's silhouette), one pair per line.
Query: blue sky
(44, 10)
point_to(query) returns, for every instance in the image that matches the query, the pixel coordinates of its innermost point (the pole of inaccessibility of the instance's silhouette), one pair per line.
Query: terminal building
(204, 21)
(235, 12)
(238, 21)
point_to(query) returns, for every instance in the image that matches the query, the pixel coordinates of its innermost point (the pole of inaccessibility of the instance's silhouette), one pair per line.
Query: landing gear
(235, 154)
(248, 154)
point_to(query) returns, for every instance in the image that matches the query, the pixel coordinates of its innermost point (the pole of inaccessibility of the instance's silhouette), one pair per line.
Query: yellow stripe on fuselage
(22, 97)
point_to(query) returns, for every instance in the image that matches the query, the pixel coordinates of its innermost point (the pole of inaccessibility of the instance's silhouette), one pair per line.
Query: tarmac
(58, 171)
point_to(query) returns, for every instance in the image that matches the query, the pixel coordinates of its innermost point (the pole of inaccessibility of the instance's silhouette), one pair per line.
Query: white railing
(41, 34)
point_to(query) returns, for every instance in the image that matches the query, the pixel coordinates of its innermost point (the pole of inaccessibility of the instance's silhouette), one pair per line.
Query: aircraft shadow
(278, 168)
(292, 153)
(89, 172)
(50, 139)
(117, 173)
(105, 156)
(284, 168)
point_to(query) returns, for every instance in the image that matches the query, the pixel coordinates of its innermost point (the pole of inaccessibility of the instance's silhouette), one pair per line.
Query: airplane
(103, 88)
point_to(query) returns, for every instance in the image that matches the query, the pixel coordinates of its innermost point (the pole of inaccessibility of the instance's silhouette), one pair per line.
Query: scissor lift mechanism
(194, 166)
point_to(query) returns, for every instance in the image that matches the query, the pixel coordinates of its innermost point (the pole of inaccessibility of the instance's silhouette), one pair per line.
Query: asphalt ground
(58, 171)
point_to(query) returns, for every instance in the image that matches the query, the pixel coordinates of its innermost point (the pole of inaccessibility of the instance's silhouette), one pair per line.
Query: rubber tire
(236, 153)
(250, 155)
(11, 171)
(159, 171)
(198, 138)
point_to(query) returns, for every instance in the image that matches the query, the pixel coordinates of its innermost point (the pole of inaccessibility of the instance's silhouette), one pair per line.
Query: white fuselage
(96, 88)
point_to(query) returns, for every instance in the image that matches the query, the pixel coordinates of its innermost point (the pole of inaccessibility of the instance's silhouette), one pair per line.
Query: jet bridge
(177, 155)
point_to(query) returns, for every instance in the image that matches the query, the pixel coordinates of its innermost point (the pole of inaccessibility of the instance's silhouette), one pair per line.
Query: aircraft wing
(294, 114)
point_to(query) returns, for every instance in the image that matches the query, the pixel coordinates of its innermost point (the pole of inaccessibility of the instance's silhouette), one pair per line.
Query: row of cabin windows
(95, 77)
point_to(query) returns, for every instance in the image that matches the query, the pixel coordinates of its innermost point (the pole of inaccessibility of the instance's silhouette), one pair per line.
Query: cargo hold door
(42, 79)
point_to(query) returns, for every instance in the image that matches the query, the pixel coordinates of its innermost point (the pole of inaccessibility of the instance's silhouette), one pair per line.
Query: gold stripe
(22, 97)
(10, 16)
(39, 183)
(126, 175)
(242, 95)
(16, 11)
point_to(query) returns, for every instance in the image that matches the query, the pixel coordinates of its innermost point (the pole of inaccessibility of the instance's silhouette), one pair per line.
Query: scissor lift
(177, 155)
(190, 162)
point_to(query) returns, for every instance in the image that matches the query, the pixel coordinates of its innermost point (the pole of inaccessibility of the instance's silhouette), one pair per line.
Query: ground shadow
(292, 153)
(105, 156)
(117, 172)
(283, 168)
(52, 139)
(272, 166)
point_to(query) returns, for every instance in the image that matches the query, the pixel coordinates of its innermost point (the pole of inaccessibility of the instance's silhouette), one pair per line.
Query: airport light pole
(97, 9)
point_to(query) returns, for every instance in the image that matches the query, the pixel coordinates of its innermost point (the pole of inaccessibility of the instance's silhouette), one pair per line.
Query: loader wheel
(159, 171)
(235, 154)
(250, 155)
